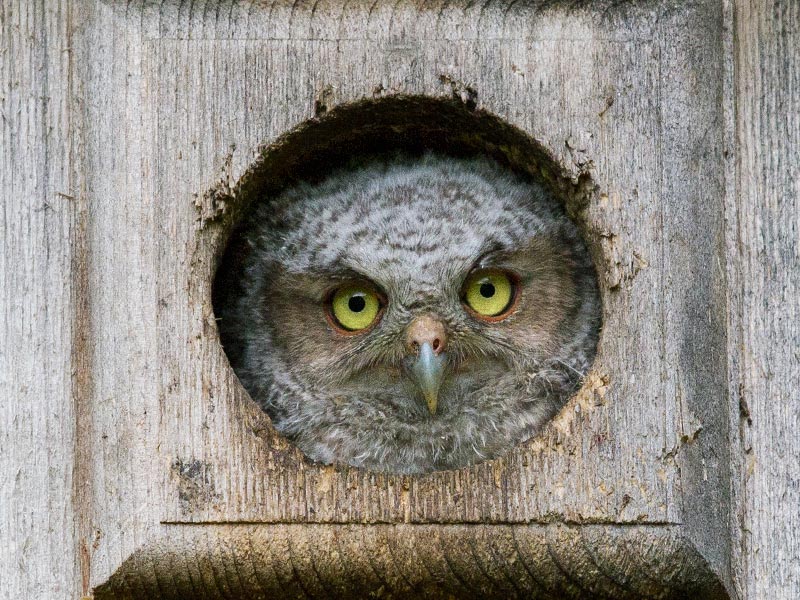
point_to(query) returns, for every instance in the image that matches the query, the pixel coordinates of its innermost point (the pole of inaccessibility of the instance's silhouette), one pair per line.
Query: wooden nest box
(168, 120)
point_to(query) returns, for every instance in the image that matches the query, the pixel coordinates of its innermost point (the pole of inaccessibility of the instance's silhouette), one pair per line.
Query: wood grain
(38, 301)
(135, 134)
(552, 562)
(763, 241)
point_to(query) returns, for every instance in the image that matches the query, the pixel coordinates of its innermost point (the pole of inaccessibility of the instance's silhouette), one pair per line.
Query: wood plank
(650, 422)
(540, 562)
(39, 221)
(127, 441)
(763, 247)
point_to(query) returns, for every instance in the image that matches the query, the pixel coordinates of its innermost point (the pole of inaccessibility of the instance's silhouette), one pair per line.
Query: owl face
(415, 315)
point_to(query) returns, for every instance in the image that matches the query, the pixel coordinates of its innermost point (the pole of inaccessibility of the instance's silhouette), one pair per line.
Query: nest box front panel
(623, 100)
(600, 110)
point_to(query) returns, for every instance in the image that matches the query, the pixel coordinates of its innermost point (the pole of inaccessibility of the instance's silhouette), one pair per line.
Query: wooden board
(763, 269)
(132, 459)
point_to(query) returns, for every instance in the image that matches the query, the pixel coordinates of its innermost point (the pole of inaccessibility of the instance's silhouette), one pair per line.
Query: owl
(413, 314)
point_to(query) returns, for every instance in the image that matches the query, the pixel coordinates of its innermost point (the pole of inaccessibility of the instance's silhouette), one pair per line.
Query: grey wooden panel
(763, 246)
(119, 401)
(122, 413)
(39, 281)
(615, 463)
(604, 101)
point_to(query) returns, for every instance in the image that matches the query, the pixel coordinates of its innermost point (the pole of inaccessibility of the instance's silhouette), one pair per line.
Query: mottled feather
(416, 228)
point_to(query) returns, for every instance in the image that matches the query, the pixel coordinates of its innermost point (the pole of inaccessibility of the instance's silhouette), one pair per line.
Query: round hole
(357, 194)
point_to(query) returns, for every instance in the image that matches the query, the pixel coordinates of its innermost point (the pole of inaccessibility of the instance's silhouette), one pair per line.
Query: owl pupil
(356, 303)
(487, 290)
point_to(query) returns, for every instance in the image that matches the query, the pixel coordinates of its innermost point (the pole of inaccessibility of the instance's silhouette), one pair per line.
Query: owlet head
(415, 314)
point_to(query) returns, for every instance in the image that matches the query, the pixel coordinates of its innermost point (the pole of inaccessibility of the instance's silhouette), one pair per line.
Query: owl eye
(490, 294)
(354, 307)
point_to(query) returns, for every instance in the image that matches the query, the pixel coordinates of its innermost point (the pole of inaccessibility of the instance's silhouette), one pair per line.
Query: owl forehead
(421, 224)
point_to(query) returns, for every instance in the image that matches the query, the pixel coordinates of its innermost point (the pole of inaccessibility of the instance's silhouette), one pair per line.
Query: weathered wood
(39, 299)
(132, 459)
(763, 247)
(416, 561)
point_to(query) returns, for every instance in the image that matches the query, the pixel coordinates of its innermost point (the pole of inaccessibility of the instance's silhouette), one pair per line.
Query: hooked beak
(428, 373)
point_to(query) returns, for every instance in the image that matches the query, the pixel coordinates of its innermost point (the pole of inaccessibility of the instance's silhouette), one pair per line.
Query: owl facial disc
(361, 303)
(426, 340)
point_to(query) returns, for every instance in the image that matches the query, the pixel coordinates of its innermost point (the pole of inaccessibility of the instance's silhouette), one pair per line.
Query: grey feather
(415, 227)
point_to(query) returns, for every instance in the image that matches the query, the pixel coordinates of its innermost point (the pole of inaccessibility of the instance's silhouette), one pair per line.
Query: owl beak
(428, 372)
(425, 341)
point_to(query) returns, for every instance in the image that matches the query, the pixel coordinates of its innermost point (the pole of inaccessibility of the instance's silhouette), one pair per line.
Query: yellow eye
(354, 307)
(490, 294)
